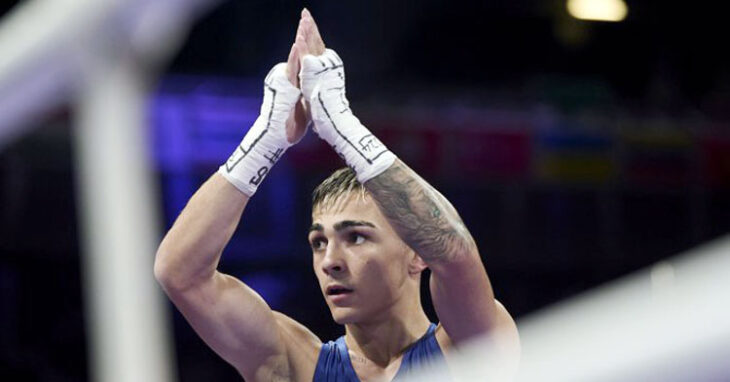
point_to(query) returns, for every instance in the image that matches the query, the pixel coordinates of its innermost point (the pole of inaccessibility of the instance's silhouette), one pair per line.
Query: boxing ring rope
(669, 323)
(100, 54)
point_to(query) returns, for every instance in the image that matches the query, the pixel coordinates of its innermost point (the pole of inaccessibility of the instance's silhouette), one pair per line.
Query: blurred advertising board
(574, 156)
(656, 153)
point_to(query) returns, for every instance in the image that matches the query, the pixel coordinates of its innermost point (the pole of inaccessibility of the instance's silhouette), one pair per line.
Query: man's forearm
(191, 250)
(421, 216)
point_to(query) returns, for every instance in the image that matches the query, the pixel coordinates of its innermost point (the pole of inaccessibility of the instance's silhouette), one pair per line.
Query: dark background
(592, 150)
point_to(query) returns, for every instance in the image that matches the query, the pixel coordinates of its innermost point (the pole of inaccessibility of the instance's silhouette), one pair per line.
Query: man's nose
(334, 261)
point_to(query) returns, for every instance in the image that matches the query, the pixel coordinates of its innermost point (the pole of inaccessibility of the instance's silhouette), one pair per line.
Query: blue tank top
(334, 363)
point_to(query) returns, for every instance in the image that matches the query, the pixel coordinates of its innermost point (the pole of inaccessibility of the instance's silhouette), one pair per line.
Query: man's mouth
(337, 290)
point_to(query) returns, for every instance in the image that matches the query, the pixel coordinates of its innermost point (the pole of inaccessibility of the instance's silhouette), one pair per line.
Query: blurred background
(576, 152)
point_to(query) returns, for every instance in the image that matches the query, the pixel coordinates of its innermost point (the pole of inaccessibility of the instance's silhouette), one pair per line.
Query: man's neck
(383, 341)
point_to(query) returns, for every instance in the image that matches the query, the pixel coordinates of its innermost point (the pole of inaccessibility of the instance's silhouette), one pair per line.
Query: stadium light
(598, 10)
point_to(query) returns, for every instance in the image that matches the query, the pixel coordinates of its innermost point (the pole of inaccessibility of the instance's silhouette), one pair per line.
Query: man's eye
(356, 238)
(319, 244)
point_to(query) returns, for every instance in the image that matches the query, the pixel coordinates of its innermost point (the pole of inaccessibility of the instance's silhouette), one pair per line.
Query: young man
(376, 226)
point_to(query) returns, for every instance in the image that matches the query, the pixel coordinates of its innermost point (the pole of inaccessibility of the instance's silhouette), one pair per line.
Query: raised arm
(429, 224)
(422, 217)
(231, 317)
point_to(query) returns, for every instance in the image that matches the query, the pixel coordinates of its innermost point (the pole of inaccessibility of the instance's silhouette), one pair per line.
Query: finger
(316, 42)
(300, 117)
(309, 36)
(300, 27)
(292, 66)
(296, 124)
(302, 47)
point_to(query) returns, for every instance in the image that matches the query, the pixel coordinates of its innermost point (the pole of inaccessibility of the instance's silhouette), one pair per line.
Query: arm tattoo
(421, 216)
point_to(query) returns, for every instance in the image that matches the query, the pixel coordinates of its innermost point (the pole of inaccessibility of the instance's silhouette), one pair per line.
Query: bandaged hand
(266, 141)
(322, 80)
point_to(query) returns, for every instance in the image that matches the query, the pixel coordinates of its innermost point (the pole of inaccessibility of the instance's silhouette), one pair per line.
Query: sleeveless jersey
(334, 363)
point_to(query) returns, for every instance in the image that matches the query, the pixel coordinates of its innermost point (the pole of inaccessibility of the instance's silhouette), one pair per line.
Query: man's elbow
(506, 333)
(163, 269)
(168, 271)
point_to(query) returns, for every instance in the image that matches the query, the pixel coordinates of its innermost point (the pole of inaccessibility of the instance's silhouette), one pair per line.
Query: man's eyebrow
(316, 227)
(352, 223)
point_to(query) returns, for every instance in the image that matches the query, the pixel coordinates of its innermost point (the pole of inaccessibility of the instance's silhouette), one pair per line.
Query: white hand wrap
(266, 140)
(322, 80)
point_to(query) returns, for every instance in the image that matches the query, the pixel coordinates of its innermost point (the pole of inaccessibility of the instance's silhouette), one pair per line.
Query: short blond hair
(341, 183)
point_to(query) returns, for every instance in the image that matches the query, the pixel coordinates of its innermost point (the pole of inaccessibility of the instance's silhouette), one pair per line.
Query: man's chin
(343, 316)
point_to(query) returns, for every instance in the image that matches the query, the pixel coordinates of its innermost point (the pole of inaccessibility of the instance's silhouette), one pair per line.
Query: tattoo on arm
(423, 218)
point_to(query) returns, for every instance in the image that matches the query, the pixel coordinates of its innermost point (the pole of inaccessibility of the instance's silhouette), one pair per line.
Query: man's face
(361, 263)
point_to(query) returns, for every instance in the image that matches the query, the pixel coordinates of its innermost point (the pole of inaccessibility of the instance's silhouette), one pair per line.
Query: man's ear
(416, 265)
